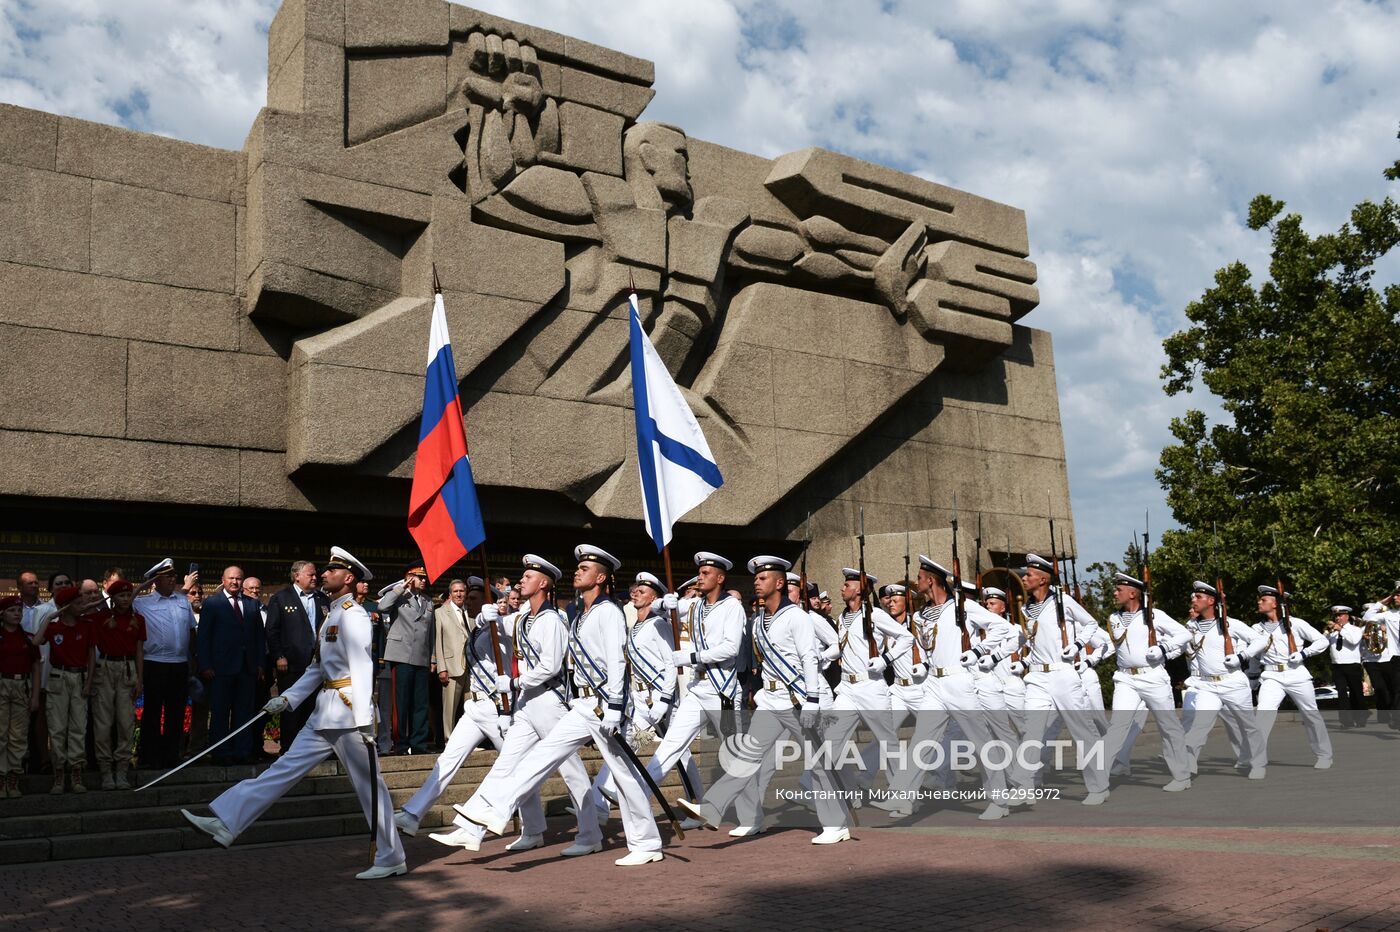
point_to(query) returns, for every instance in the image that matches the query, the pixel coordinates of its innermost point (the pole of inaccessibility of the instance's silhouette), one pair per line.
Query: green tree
(1306, 365)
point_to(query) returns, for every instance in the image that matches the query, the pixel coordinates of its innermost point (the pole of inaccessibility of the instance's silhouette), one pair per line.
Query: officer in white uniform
(598, 660)
(341, 676)
(787, 704)
(1217, 666)
(481, 723)
(1286, 675)
(1346, 666)
(540, 638)
(650, 648)
(1141, 678)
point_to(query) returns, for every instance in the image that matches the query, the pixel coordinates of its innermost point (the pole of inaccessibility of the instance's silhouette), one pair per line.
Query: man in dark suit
(294, 618)
(231, 650)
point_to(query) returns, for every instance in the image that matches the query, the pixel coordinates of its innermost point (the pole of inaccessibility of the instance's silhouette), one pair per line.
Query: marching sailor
(822, 630)
(1291, 640)
(945, 632)
(1013, 685)
(787, 704)
(539, 636)
(481, 722)
(992, 644)
(1141, 678)
(1217, 666)
(1058, 627)
(650, 649)
(341, 676)
(598, 661)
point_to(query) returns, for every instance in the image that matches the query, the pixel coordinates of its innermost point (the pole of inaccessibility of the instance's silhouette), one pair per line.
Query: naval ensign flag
(678, 470)
(444, 516)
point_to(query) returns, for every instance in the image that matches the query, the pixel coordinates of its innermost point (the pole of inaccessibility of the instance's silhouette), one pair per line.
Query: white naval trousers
(579, 726)
(1297, 685)
(1093, 696)
(531, 724)
(700, 706)
(1205, 701)
(774, 718)
(1056, 690)
(476, 727)
(642, 717)
(865, 701)
(1151, 688)
(240, 805)
(950, 697)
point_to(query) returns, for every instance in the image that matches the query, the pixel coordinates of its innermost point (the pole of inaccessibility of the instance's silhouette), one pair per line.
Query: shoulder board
(348, 603)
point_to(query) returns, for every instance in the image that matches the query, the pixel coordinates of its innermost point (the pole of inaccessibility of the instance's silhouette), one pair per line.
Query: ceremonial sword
(211, 747)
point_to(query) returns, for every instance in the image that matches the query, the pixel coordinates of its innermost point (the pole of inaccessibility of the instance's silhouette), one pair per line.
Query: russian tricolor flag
(444, 516)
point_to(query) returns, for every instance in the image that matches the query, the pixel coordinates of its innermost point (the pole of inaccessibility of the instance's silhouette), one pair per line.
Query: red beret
(65, 595)
(119, 585)
(10, 601)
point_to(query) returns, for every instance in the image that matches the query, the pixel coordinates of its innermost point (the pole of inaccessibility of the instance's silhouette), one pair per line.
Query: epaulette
(348, 603)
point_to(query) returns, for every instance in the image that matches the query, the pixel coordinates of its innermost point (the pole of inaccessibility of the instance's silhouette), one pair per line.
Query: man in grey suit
(408, 649)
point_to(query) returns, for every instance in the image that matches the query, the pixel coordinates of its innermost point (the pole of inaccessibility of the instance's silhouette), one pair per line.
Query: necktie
(237, 606)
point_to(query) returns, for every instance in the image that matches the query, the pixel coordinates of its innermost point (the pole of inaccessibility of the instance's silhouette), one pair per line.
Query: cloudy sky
(1133, 135)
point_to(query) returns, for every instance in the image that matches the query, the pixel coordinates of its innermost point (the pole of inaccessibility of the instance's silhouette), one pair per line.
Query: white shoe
(899, 812)
(745, 831)
(1176, 786)
(637, 858)
(609, 795)
(474, 810)
(405, 823)
(526, 842)
(993, 812)
(1120, 770)
(211, 826)
(695, 812)
(1096, 799)
(831, 836)
(374, 873)
(1323, 763)
(1256, 773)
(458, 838)
(691, 825)
(1020, 801)
(578, 850)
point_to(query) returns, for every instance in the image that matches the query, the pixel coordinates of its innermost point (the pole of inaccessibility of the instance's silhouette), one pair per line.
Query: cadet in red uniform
(121, 635)
(19, 692)
(72, 657)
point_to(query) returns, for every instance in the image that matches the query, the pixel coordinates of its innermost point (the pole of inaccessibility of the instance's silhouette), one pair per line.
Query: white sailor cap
(937, 569)
(343, 559)
(1270, 590)
(540, 565)
(165, 567)
(1205, 588)
(1123, 579)
(824, 595)
(705, 558)
(590, 554)
(794, 579)
(692, 581)
(765, 563)
(870, 578)
(1040, 563)
(992, 592)
(893, 588)
(1341, 610)
(646, 579)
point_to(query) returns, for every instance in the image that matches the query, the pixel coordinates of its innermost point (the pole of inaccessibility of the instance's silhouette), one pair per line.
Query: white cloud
(1133, 135)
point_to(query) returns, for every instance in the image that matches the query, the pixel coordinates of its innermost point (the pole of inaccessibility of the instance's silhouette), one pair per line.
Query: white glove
(810, 714)
(612, 720)
(503, 683)
(1093, 659)
(276, 704)
(682, 658)
(1017, 668)
(986, 663)
(968, 659)
(1080, 667)
(503, 723)
(1070, 650)
(876, 665)
(1156, 656)
(1232, 662)
(489, 612)
(1295, 659)
(920, 671)
(669, 602)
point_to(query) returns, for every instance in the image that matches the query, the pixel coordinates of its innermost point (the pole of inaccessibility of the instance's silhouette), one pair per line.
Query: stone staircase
(40, 827)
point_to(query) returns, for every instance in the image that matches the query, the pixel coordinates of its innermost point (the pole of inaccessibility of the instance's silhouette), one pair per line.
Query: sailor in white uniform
(1217, 665)
(341, 677)
(1290, 641)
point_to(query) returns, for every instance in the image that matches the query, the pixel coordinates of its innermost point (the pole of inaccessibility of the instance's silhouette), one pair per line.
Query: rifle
(915, 657)
(1055, 580)
(1065, 558)
(1220, 609)
(802, 591)
(1283, 618)
(977, 557)
(959, 609)
(866, 596)
(1148, 616)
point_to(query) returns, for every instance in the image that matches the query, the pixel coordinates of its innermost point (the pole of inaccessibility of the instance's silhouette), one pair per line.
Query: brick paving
(930, 875)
